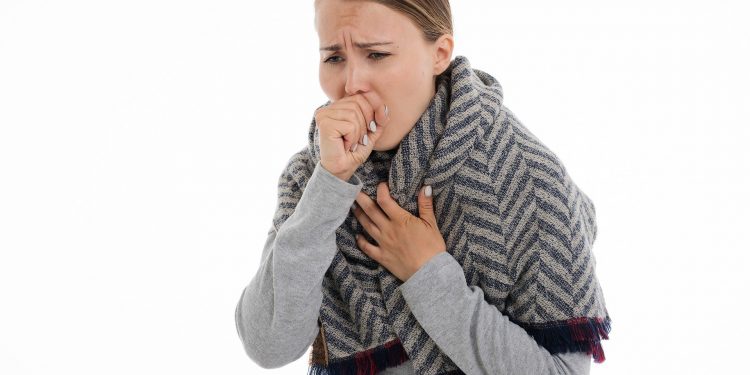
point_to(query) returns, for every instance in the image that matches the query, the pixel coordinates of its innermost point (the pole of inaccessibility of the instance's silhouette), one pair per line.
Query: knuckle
(351, 127)
(381, 199)
(365, 108)
(350, 116)
(357, 104)
(363, 103)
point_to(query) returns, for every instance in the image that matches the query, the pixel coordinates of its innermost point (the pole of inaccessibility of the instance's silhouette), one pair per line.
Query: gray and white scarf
(509, 213)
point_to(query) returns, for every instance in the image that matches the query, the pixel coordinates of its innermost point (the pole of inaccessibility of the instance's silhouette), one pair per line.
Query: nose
(356, 79)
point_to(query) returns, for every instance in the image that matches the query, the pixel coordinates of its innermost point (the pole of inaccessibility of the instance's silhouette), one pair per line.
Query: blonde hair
(433, 17)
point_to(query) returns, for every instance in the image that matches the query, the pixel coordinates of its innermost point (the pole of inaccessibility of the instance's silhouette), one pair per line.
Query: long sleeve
(277, 313)
(477, 337)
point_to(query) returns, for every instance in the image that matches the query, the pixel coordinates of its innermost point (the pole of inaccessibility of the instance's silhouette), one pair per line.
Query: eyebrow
(336, 47)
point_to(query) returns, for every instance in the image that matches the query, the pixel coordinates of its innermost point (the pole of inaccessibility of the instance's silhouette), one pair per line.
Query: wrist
(343, 176)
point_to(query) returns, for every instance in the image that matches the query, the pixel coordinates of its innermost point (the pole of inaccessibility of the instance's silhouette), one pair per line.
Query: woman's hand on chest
(404, 242)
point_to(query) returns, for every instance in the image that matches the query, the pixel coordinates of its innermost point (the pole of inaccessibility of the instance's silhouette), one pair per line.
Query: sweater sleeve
(475, 335)
(276, 315)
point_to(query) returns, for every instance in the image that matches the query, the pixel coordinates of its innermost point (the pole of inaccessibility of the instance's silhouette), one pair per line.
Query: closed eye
(381, 55)
(374, 56)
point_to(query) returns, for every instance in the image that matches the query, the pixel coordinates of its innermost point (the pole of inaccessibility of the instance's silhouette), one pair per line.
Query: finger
(341, 131)
(368, 114)
(349, 112)
(387, 203)
(374, 252)
(355, 103)
(366, 223)
(371, 208)
(381, 111)
(324, 107)
(426, 209)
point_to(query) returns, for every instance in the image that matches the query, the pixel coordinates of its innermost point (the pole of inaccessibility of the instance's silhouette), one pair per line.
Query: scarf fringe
(572, 335)
(368, 362)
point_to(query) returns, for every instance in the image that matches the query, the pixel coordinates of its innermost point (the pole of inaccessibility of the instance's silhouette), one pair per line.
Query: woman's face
(399, 74)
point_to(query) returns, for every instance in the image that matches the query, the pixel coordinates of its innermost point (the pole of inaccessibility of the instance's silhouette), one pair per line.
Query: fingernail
(386, 111)
(372, 126)
(364, 140)
(428, 191)
(355, 147)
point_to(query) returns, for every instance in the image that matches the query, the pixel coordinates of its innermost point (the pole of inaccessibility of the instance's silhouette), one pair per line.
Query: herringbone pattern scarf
(508, 211)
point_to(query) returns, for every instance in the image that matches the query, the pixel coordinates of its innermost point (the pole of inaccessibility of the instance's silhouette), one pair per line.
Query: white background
(141, 142)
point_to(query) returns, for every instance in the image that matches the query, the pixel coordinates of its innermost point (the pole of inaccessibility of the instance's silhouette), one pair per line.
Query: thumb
(426, 210)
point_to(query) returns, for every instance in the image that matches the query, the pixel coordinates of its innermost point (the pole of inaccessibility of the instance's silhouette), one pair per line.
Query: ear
(443, 53)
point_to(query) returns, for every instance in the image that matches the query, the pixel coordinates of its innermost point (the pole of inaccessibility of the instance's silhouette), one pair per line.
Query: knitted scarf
(509, 213)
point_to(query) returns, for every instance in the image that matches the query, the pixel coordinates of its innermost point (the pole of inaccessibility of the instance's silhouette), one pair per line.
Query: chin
(382, 144)
(384, 147)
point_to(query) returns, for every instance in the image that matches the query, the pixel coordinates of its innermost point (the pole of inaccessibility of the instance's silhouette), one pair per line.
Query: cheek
(329, 83)
(391, 83)
(409, 77)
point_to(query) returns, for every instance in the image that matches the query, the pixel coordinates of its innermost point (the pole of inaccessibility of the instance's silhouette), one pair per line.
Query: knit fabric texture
(508, 211)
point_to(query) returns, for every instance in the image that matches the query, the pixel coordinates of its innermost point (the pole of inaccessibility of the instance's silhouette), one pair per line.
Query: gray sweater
(277, 313)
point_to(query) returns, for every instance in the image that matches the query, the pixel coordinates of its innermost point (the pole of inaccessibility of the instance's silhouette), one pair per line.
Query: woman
(487, 269)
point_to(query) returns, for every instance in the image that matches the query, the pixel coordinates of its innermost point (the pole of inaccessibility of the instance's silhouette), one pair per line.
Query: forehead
(364, 21)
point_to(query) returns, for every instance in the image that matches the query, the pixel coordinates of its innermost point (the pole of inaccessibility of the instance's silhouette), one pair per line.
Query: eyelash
(383, 55)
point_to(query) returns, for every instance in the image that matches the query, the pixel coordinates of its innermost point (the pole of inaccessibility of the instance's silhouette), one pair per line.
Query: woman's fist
(349, 129)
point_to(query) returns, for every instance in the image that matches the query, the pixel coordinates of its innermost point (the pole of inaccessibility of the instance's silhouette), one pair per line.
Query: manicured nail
(372, 126)
(354, 148)
(428, 191)
(386, 111)
(364, 140)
